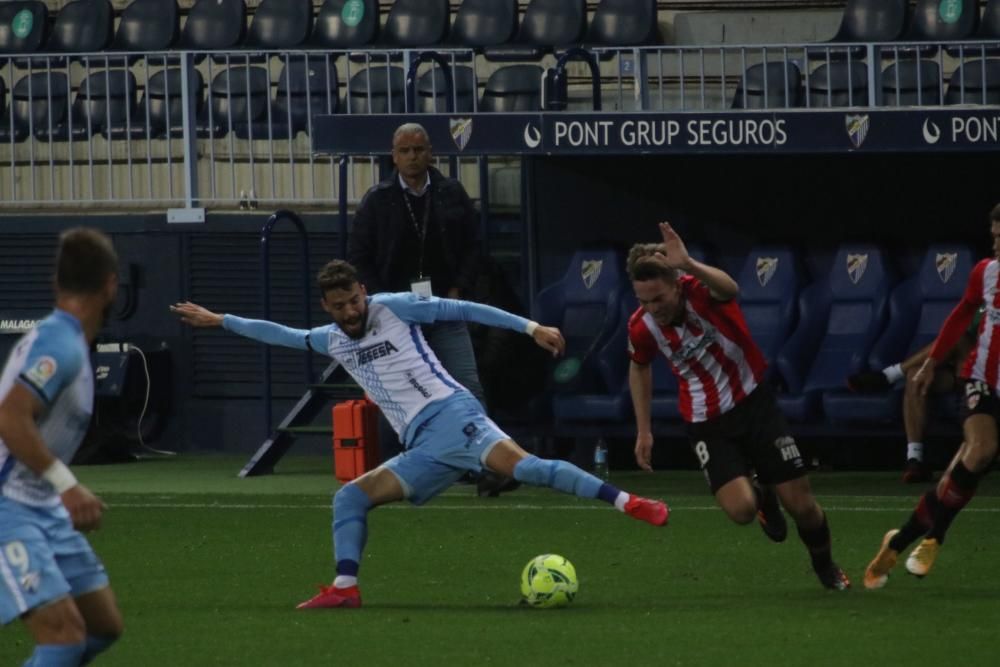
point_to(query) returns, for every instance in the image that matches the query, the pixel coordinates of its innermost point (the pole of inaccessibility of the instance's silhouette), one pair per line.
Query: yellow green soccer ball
(548, 581)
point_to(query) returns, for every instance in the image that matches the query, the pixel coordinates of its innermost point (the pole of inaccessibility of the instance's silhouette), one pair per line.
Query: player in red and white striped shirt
(938, 507)
(688, 313)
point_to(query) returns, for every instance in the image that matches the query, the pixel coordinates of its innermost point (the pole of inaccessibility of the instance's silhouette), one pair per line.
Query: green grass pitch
(208, 569)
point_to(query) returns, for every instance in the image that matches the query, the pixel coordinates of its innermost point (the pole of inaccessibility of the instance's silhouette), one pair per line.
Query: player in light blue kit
(442, 426)
(49, 575)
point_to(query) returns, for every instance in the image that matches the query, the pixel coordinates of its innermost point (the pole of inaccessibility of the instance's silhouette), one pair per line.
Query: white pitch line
(519, 507)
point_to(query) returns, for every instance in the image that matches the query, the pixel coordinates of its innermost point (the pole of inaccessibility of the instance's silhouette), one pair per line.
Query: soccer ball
(548, 581)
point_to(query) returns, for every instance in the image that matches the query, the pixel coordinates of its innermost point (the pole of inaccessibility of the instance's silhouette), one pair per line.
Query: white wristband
(530, 329)
(60, 477)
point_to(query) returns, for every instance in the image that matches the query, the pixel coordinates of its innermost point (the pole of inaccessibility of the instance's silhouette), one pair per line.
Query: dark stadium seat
(968, 79)
(214, 25)
(769, 86)
(82, 26)
(102, 100)
(415, 23)
(280, 24)
(623, 23)
(917, 309)
(377, 89)
(937, 21)
(7, 133)
(24, 26)
(40, 103)
(546, 24)
(864, 21)
(769, 290)
(306, 88)
(911, 83)
(838, 84)
(513, 88)
(988, 30)
(147, 25)
(840, 319)
(334, 30)
(431, 90)
(482, 23)
(237, 95)
(165, 103)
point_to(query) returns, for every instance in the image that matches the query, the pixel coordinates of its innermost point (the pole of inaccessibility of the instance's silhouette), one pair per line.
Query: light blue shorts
(42, 559)
(456, 438)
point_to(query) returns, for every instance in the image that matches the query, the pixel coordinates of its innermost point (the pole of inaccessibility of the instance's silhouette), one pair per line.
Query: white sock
(620, 501)
(915, 450)
(344, 581)
(893, 373)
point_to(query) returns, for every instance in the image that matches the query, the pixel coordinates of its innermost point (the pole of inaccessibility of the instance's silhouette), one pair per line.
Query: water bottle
(601, 460)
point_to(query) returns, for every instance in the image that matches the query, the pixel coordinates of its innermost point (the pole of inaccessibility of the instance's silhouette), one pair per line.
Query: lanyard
(421, 231)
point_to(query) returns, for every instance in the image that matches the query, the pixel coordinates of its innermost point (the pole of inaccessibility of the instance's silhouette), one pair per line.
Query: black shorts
(978, 398)
(752, 436)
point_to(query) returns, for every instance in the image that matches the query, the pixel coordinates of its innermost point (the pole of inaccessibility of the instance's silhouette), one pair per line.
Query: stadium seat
(546, 24)
(82, 26)
(147, 25)
(280, 24)
(908, 83)
(513, 88)
(482, 23)
(769, 289)
(237, 95)
(7, 133)
(103, 99)
(838, 84)
(24, 26)
(333, 30)
(307, 86)
(917, 309)
(432, 93)
(416, 23)
(966, 85)
(40, 103)
(214, 25)
(377, 89)
(937, 21)
(165, 103)
(586, 306)
(840, 319)
(769, 86)
(864, 21)
(623, 23)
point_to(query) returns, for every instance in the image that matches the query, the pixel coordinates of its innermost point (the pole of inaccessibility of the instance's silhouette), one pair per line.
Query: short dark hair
(995, 214)
(641, 266)
(84, 260)
(337, 274)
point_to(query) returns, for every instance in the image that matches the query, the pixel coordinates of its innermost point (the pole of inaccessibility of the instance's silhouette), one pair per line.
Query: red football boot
(331, 596)
(650, 511)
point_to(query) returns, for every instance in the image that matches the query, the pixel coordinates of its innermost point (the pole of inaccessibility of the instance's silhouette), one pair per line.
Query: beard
(357, 325)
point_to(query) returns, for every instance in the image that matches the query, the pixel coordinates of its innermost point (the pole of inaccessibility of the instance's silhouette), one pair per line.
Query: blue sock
(56, 655)
(350, 528)
(563, 476)
(95, 645)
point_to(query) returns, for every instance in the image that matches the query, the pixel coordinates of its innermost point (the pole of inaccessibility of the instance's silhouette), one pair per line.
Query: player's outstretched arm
(263, 331)
(195, 315)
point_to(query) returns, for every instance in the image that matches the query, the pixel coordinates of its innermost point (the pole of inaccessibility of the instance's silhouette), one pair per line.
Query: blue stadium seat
(838, 84)
(334, 30)
(147, 25)
(482, 23)
(968, 79)
(431, 90)
(164, 101)
(237, 95)
(513, 88)
(623, 23)
(769, 290)
(307, 86)
(546, 24)
(865, 21)
(911, 83)
(40, 103)
(840, 319)
(769, 86)
(280, 24)
(24, 26)
(214, 25)
(586, 305)
(377, 89)
(416, 23)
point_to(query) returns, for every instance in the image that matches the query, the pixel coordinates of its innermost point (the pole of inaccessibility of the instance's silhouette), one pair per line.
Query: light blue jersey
(392, 361)
(53, 362)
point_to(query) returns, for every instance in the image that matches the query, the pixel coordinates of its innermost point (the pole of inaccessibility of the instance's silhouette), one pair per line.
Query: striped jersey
(392, 362)
(51, 360)
(982, 291)
(716, 362)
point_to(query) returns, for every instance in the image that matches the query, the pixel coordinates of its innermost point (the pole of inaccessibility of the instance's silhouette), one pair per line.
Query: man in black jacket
(416, 231)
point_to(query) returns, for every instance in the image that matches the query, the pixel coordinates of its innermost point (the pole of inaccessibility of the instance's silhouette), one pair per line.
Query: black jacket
(381, 238)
